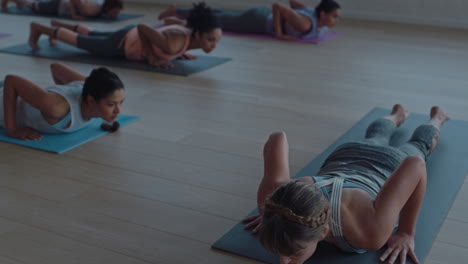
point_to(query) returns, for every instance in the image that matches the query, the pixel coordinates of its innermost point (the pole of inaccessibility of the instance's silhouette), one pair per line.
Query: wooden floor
(162, 190)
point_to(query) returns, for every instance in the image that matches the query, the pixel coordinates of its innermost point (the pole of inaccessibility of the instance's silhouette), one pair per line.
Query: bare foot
(170, 11)
(399, 114)
(34, 35)
(438, 116)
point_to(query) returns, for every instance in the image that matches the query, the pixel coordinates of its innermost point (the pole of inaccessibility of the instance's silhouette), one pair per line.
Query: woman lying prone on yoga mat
(75, 9)
(289, 23)
(142, 43)
(65, 107)
(361, 192)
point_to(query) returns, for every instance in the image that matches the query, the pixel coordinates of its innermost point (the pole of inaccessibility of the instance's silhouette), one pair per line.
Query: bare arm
(275, 167)
(401, 196)
(63, 74)
(170, 42)
(75, 7)
(152, 36)
(275, 173)
(148, 37)
(174, 21)
(282, 13)
(34, 95)
(294, 4)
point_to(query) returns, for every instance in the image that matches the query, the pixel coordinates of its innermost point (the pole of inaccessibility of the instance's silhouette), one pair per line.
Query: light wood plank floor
(165, 188)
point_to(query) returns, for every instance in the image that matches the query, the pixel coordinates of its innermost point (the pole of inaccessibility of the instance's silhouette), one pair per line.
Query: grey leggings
(253, 20)
(109, 44)
(381, 130)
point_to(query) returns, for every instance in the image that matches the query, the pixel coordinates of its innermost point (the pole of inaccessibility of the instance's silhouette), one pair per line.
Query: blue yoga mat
(60, 143)
(66, 52)
(12, 10)
(446, 167)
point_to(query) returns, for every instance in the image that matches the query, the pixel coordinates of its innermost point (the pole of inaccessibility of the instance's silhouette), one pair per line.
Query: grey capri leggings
(108, 44)
(420, 144)
(253, 20)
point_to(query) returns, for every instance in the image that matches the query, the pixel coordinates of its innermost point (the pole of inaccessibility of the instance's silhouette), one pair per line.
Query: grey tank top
(355, 165)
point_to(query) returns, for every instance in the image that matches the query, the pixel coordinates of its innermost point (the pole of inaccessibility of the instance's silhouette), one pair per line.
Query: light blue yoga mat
(60, 143)
(66, 52)
(13, 10)
(446, 167)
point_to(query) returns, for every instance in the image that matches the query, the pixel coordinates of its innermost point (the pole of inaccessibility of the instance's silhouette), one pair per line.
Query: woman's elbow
(416, 161)
(275, 6)
(10, 80)
(141, 27)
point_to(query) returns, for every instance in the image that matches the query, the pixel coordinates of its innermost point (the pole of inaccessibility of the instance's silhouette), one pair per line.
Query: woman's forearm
(152, 36)
(277, 20)
(9, 104)
(147, 51)
(409, 213)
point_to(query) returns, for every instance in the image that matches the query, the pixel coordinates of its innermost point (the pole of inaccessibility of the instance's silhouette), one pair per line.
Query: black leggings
(108, 44)
(46, 7)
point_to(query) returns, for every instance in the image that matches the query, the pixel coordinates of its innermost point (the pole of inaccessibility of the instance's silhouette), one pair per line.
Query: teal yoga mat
(66, 52)
(12, 10)
(60, 143)
(447, 168)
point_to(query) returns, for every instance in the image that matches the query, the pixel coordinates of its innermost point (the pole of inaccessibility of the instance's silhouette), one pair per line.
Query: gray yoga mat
(66, 52)
(447, 168)
(12, 10)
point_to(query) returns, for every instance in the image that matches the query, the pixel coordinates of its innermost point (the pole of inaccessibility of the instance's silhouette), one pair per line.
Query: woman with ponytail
(69, 105)
(292, 22)
(141, 43)
(362, 191)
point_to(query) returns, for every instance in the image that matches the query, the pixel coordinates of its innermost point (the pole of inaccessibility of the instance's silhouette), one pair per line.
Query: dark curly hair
(201, 18)
(326, 6)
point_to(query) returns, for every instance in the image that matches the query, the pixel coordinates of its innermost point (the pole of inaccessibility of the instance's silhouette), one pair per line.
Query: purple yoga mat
(4, 35)
(327, 36)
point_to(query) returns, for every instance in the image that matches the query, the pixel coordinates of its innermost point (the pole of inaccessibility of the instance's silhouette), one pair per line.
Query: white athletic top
(28, 116)
(89, 8)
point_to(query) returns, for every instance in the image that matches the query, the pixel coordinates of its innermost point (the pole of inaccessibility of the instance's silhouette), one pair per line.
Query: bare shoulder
(357, 207)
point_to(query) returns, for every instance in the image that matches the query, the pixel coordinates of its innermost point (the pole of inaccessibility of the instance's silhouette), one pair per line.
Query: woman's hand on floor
(25, 133)
(287, 37)
(254, 222)
(159, 63)
(399, 245)
(187, 56)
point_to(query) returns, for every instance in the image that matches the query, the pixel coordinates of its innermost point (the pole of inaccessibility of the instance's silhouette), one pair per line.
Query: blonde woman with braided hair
(362, 191)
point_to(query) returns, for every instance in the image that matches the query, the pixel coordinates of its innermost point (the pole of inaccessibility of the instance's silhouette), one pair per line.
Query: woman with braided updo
(361, 192)
(141, 43)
